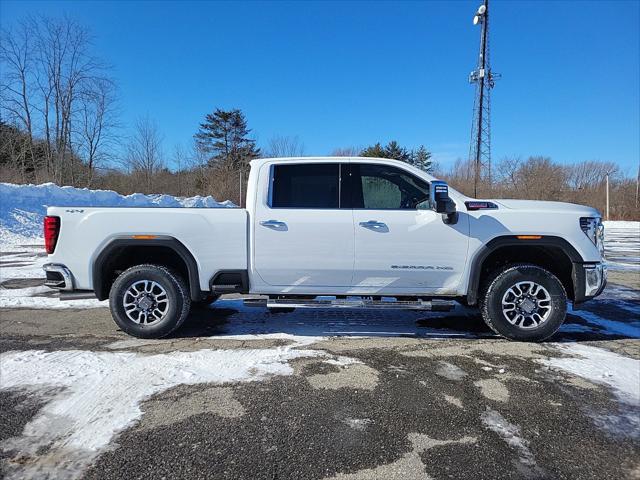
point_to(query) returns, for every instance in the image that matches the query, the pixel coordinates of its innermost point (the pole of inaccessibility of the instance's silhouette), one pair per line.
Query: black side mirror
(441, 203)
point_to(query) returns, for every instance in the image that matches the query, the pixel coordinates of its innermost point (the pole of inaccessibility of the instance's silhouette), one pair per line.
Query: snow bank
(23, 206)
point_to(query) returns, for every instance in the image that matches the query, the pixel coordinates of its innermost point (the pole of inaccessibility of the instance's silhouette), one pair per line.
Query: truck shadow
(232, 317)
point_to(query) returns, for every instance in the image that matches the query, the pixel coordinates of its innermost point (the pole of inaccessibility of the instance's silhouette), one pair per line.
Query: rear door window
(305, 185)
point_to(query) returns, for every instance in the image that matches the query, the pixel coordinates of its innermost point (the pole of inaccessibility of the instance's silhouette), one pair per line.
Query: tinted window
(381, 187)
(313, 185)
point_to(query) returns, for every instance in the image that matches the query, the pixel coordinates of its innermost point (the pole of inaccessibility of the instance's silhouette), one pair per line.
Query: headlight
(594, 229)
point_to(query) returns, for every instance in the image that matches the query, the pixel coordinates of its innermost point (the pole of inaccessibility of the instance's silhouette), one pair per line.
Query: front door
(302, 237)
(400, 243)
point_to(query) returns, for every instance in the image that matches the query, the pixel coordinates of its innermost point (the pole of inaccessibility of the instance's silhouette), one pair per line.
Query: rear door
(302, 236)
(399, 242)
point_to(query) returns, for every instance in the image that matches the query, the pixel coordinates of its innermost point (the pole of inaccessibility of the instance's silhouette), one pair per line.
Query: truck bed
(216, 237)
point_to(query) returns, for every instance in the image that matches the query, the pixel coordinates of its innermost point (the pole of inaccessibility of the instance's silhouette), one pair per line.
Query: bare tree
(588, 174)
(97, 124)
(17, 60)
(47, 72)
(280, 146)
(346, 152)
(144, 151)
(66, 71)
(507, 170)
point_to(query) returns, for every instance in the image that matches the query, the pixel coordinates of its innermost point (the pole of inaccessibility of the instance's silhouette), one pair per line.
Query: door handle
(274, 224)
(375, 226)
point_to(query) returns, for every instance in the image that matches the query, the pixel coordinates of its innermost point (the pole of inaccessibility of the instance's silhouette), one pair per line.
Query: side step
(435, 305)
(77, 295)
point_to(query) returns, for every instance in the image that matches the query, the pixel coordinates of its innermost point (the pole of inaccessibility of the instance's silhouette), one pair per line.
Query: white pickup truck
(334, 232)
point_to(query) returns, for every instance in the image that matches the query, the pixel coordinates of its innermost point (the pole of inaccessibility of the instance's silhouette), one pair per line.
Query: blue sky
(340, 74)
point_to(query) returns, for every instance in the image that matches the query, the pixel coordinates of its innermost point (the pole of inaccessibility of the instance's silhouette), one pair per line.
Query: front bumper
(58, 277)
(589, 280)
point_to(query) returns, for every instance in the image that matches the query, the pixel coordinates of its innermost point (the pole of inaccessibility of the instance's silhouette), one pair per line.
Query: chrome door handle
(274, 224)
(374, 225)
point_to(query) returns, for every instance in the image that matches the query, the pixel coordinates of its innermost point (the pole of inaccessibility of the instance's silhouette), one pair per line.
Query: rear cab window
(310, 185)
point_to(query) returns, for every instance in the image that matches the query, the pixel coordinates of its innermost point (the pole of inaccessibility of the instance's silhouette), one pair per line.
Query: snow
(621, 374)
(22, 207)
(512, 436)
(90, 397)
(21, 264)
(622, 245)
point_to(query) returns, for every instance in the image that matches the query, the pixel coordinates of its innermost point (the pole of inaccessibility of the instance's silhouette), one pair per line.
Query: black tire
(177, 294)
(498, 286)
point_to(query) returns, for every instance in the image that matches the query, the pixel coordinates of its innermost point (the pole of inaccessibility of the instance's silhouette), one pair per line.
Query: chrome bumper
(58, 277)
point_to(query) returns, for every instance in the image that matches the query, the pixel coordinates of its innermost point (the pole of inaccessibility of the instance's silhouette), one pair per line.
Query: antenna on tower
(484, 78)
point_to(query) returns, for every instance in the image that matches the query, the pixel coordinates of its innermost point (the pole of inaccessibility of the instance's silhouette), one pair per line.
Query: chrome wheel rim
(526, 305)
(145, 302)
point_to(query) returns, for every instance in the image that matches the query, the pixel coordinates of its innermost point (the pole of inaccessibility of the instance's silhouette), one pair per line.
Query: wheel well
(119, 256)
(551, 258)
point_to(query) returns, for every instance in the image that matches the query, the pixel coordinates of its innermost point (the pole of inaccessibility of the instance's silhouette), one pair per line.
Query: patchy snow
(22, 207)
(621, 374)
(511, 434)
(22, 278)
(622, 245)
(90, 397)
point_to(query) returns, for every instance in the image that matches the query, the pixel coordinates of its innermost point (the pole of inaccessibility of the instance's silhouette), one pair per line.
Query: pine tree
(391, 150)
(395, 151)
(375, 151)
(421, 158)
(224, 136)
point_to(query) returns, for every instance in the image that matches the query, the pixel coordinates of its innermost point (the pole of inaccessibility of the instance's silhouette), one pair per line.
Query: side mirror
(441, 203)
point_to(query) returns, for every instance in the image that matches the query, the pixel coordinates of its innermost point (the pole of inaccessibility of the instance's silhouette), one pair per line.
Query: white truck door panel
(399, 243)
(410, 249)
(310, 247)
(301, 237)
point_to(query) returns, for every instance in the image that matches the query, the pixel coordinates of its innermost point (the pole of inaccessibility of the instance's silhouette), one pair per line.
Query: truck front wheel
(149, 301)
(524, 302)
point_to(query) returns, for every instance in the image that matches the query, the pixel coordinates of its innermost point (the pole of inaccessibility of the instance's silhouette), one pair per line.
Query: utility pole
(638, 186)
(484, 78)
(607, 177)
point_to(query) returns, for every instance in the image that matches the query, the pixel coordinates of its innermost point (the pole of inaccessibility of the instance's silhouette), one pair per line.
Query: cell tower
(484, 78)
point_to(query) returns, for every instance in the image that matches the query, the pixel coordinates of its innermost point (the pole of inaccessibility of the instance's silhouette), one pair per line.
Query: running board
(77, 295)
(435, 305)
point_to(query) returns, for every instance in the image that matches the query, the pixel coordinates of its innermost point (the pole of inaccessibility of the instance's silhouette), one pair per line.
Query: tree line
(59, 122)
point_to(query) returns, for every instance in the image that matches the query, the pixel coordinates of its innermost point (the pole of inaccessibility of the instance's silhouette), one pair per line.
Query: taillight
(51, 231)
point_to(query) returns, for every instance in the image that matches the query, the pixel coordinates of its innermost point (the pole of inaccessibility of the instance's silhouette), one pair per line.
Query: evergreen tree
(421, 158)
(224, 136)
(396, 152)
(391, 150)
(375, 151)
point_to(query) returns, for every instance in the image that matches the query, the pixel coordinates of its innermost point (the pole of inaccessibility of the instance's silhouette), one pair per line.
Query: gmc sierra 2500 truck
(334, 232)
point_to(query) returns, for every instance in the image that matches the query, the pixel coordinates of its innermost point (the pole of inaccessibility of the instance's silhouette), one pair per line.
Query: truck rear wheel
(524, 302)
(149, 301)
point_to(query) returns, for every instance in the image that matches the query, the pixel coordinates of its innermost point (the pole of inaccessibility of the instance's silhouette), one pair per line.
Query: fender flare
(513, 241)
(161, 241)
